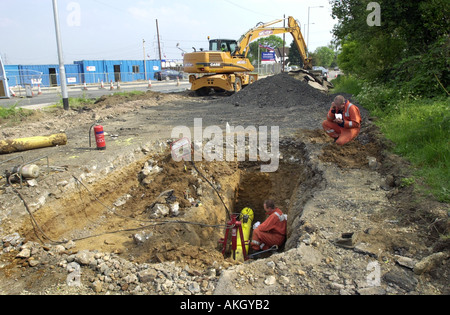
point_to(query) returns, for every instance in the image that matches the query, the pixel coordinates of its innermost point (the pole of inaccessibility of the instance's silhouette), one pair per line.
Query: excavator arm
(263, 30)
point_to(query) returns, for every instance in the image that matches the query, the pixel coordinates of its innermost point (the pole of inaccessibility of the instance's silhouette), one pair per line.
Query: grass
(421, 131)
(346, 84)
(419, 127)
(130, 93)
(76, 102)
(13, 114)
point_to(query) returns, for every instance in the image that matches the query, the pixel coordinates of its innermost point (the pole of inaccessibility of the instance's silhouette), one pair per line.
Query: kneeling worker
(344, 129)
(272, 231)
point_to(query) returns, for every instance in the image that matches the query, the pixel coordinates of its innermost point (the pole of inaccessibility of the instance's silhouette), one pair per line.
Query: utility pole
(145, 62)
(159, 42)
(62, 69)
(284, 41)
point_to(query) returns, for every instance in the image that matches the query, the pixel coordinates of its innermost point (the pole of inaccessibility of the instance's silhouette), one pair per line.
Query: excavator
(225, 66)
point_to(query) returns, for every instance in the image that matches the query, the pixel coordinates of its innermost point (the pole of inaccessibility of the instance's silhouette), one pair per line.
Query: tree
(410, 33)
(294, 56)
(272, 41)
(324, 56)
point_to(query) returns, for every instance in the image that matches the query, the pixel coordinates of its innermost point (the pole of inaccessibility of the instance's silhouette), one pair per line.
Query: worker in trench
(343, 121)
(272, 231)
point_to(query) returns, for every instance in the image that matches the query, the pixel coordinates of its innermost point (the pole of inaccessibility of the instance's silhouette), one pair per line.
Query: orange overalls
(347, 131)
(270, 232)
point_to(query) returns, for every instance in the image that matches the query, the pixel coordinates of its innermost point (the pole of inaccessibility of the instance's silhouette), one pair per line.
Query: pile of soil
(119, 99)
(352, 155)
(280, 90)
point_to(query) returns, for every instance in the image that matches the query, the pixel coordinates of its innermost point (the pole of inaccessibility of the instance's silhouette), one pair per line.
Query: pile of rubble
(107, 272)
(315, 80)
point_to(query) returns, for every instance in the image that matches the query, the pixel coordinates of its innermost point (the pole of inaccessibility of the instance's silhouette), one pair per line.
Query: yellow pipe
(246, 219)
(24, 144)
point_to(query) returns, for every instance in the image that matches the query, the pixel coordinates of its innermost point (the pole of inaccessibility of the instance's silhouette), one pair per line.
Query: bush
(346, 84)
(379, 99)
(426, 74)
(420, 129)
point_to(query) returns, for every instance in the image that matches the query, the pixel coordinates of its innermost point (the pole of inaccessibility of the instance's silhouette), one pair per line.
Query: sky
(116, 29)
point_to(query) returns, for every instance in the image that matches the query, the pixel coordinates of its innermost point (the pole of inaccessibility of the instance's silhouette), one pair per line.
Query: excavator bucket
(313, 78)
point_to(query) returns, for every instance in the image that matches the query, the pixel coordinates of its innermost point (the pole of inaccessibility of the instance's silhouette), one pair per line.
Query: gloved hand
(255, 226)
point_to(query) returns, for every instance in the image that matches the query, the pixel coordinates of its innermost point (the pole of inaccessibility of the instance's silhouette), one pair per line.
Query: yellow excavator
(225, 66)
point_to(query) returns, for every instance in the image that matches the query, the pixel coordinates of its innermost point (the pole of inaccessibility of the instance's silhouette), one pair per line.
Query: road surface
(52, 96)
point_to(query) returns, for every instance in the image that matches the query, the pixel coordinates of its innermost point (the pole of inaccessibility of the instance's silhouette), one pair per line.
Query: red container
(100, 137)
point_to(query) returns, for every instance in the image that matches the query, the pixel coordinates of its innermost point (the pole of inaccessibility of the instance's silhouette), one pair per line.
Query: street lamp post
(62, 69)
(307, 44)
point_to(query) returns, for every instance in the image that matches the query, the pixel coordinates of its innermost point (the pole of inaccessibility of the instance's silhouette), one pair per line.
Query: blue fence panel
(83, 71)
(12, 74)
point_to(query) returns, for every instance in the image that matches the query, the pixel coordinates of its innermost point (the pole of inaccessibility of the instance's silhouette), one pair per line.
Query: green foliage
(403, 67)
(294, 55)
(426, 74)
(380, 99)
(408, 181)
(13, 113)
(272, 41)
(347, 84)
(410, 50)
(421, 129)
(130, 93)
(324, 56)
(77, 102)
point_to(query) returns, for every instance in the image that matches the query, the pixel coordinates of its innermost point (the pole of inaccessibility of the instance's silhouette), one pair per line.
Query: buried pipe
(25, 144)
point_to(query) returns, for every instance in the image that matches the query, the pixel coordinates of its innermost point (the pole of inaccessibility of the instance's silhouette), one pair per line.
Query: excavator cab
(223, 45)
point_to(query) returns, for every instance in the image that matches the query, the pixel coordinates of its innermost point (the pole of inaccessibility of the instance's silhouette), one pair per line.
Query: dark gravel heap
(280, 90)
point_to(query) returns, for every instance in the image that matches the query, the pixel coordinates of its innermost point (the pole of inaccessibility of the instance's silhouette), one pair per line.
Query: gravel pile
(281, 90)
(95, 272)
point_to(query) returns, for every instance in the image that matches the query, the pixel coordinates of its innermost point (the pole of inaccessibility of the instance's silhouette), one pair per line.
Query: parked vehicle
(321, 71)
(324, 71)
(168, 75)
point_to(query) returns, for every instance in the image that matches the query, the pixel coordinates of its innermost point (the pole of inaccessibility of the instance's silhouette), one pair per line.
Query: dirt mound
(149, 96)
(355, 154)
(281, 90)
(352, 155)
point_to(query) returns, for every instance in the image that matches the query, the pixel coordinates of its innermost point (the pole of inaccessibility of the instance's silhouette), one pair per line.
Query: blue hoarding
(268, 56)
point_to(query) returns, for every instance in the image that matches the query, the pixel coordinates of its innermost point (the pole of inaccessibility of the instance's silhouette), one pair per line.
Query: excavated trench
(157, 210)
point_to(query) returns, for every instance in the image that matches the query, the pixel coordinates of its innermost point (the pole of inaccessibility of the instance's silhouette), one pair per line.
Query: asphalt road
(52, 96)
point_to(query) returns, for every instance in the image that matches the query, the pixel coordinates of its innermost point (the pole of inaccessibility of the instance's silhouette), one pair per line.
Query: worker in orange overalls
(344, 129)
(272, 231)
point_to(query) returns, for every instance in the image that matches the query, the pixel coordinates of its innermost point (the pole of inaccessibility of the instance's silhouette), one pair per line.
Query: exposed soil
(113, 201)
